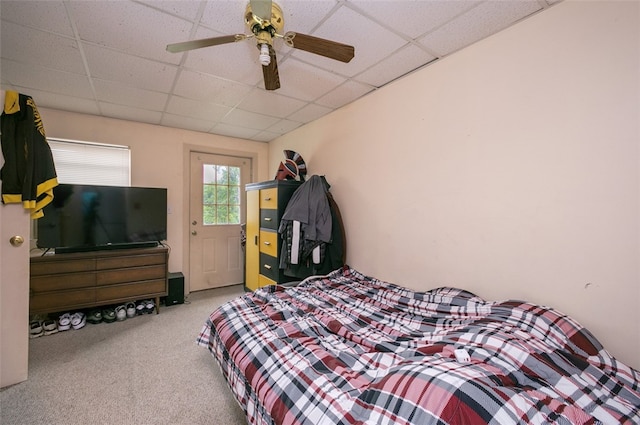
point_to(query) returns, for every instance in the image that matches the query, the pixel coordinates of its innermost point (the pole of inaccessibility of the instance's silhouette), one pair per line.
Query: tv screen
(85, 217)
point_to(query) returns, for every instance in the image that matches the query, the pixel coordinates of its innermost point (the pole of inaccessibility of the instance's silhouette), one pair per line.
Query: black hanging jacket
(312, 231)
(28, 174)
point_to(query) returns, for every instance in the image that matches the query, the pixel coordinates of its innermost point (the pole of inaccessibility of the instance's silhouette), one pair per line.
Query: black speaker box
(175, 294)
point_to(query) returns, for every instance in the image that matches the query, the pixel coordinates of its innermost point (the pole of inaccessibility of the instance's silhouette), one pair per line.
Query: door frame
(186, 184)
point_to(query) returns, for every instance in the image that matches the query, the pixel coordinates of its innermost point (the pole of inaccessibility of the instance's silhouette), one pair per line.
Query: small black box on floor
(175, 293)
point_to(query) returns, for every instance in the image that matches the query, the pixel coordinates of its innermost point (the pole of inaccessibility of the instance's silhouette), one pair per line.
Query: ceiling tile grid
(109, 57)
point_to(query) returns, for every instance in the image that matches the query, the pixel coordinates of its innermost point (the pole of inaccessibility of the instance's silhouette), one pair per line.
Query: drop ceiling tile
(306, 82)
(304, 16)
(240, 118)
(284, 126)
(187, 9)
(46, 99)
(50, 80)
(413, 18)
(188, 123)
(346, 93)
(126, 26)
(339, 27)
(478, 23)
(270, 103)
(48, 15)
(110, 92)
(39, 48)
(200, 86)
(396, 65)
(265, 136)
(309, 113)
(225, 17)
(195, 109)
(235, 131)
(129, 70)
(130, 114)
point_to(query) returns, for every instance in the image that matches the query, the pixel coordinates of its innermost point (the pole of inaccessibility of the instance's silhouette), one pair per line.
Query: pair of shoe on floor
(38, 327)
(75, 320)
(110, 314)
(145, 307)
(48, 326)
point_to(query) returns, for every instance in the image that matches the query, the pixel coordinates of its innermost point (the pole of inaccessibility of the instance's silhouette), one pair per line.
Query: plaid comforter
(349, 349)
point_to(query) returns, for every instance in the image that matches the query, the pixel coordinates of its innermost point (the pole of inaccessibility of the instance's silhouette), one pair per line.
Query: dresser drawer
(269, 219)
(129, 261)
(61, 300)
(269, 266)
(55, 282)
(47, 266)
(269, 198)
(269, 243)
(132, 274)
(264, 281)
(148, 289)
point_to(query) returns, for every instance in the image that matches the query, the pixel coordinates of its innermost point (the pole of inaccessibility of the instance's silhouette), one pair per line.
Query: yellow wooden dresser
(266, 202)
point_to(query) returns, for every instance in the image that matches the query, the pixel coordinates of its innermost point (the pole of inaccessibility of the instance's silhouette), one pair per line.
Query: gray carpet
(144, 370)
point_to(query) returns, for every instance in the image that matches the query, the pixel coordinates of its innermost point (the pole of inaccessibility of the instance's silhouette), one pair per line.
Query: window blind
(79, 162)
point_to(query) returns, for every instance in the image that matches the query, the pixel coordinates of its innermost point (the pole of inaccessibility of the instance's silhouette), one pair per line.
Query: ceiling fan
(265, 21)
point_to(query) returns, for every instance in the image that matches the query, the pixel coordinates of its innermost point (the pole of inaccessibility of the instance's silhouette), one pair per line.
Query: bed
(346, 348)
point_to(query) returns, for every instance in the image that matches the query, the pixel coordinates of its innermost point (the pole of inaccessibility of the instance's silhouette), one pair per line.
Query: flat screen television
(90, 217)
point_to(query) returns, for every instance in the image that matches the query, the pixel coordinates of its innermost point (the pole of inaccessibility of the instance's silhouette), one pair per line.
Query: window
(91, 163)
(221, 194)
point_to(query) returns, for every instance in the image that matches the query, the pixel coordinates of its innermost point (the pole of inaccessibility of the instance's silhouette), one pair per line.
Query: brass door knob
(16, 240)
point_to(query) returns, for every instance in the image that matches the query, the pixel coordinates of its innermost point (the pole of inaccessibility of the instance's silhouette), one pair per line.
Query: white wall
(509, 169)
(159, 158)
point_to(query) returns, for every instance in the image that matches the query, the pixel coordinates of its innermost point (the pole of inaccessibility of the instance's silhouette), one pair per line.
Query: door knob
(16, 240)
(194, 222)
(193, 232)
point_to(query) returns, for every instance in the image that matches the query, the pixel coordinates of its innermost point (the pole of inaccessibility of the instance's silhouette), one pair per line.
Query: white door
(14, 294)
(216, 213)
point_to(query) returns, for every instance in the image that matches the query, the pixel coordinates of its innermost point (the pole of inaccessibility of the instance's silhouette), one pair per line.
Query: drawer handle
(267, 243)
(268, 198)
(268, 267)
(267, 219)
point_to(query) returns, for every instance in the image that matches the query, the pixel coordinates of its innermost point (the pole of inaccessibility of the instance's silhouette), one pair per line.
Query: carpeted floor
(144, 370)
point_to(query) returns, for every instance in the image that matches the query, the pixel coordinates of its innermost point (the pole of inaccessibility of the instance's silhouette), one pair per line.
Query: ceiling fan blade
(206, 42)
(261, 9)
(320, 46)
(270, 72)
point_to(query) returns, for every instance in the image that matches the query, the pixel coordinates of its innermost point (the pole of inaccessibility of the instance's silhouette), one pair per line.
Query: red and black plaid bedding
(349, 349)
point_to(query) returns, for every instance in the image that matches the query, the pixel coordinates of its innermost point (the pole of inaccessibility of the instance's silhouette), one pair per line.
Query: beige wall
(509, 169)
(159, 158)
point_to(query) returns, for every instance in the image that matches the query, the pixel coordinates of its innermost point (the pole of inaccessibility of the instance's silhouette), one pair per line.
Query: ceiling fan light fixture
(266, 24)
(265, 57)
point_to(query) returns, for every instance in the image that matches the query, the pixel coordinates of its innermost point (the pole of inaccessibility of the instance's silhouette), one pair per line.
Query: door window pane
(221, 194)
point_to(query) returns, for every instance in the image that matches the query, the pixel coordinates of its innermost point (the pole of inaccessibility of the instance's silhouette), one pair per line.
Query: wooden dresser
(266, 203)
(66, 282)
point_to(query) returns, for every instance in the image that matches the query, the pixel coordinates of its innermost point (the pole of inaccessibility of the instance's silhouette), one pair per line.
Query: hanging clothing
(312, 232)
(28, 174)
